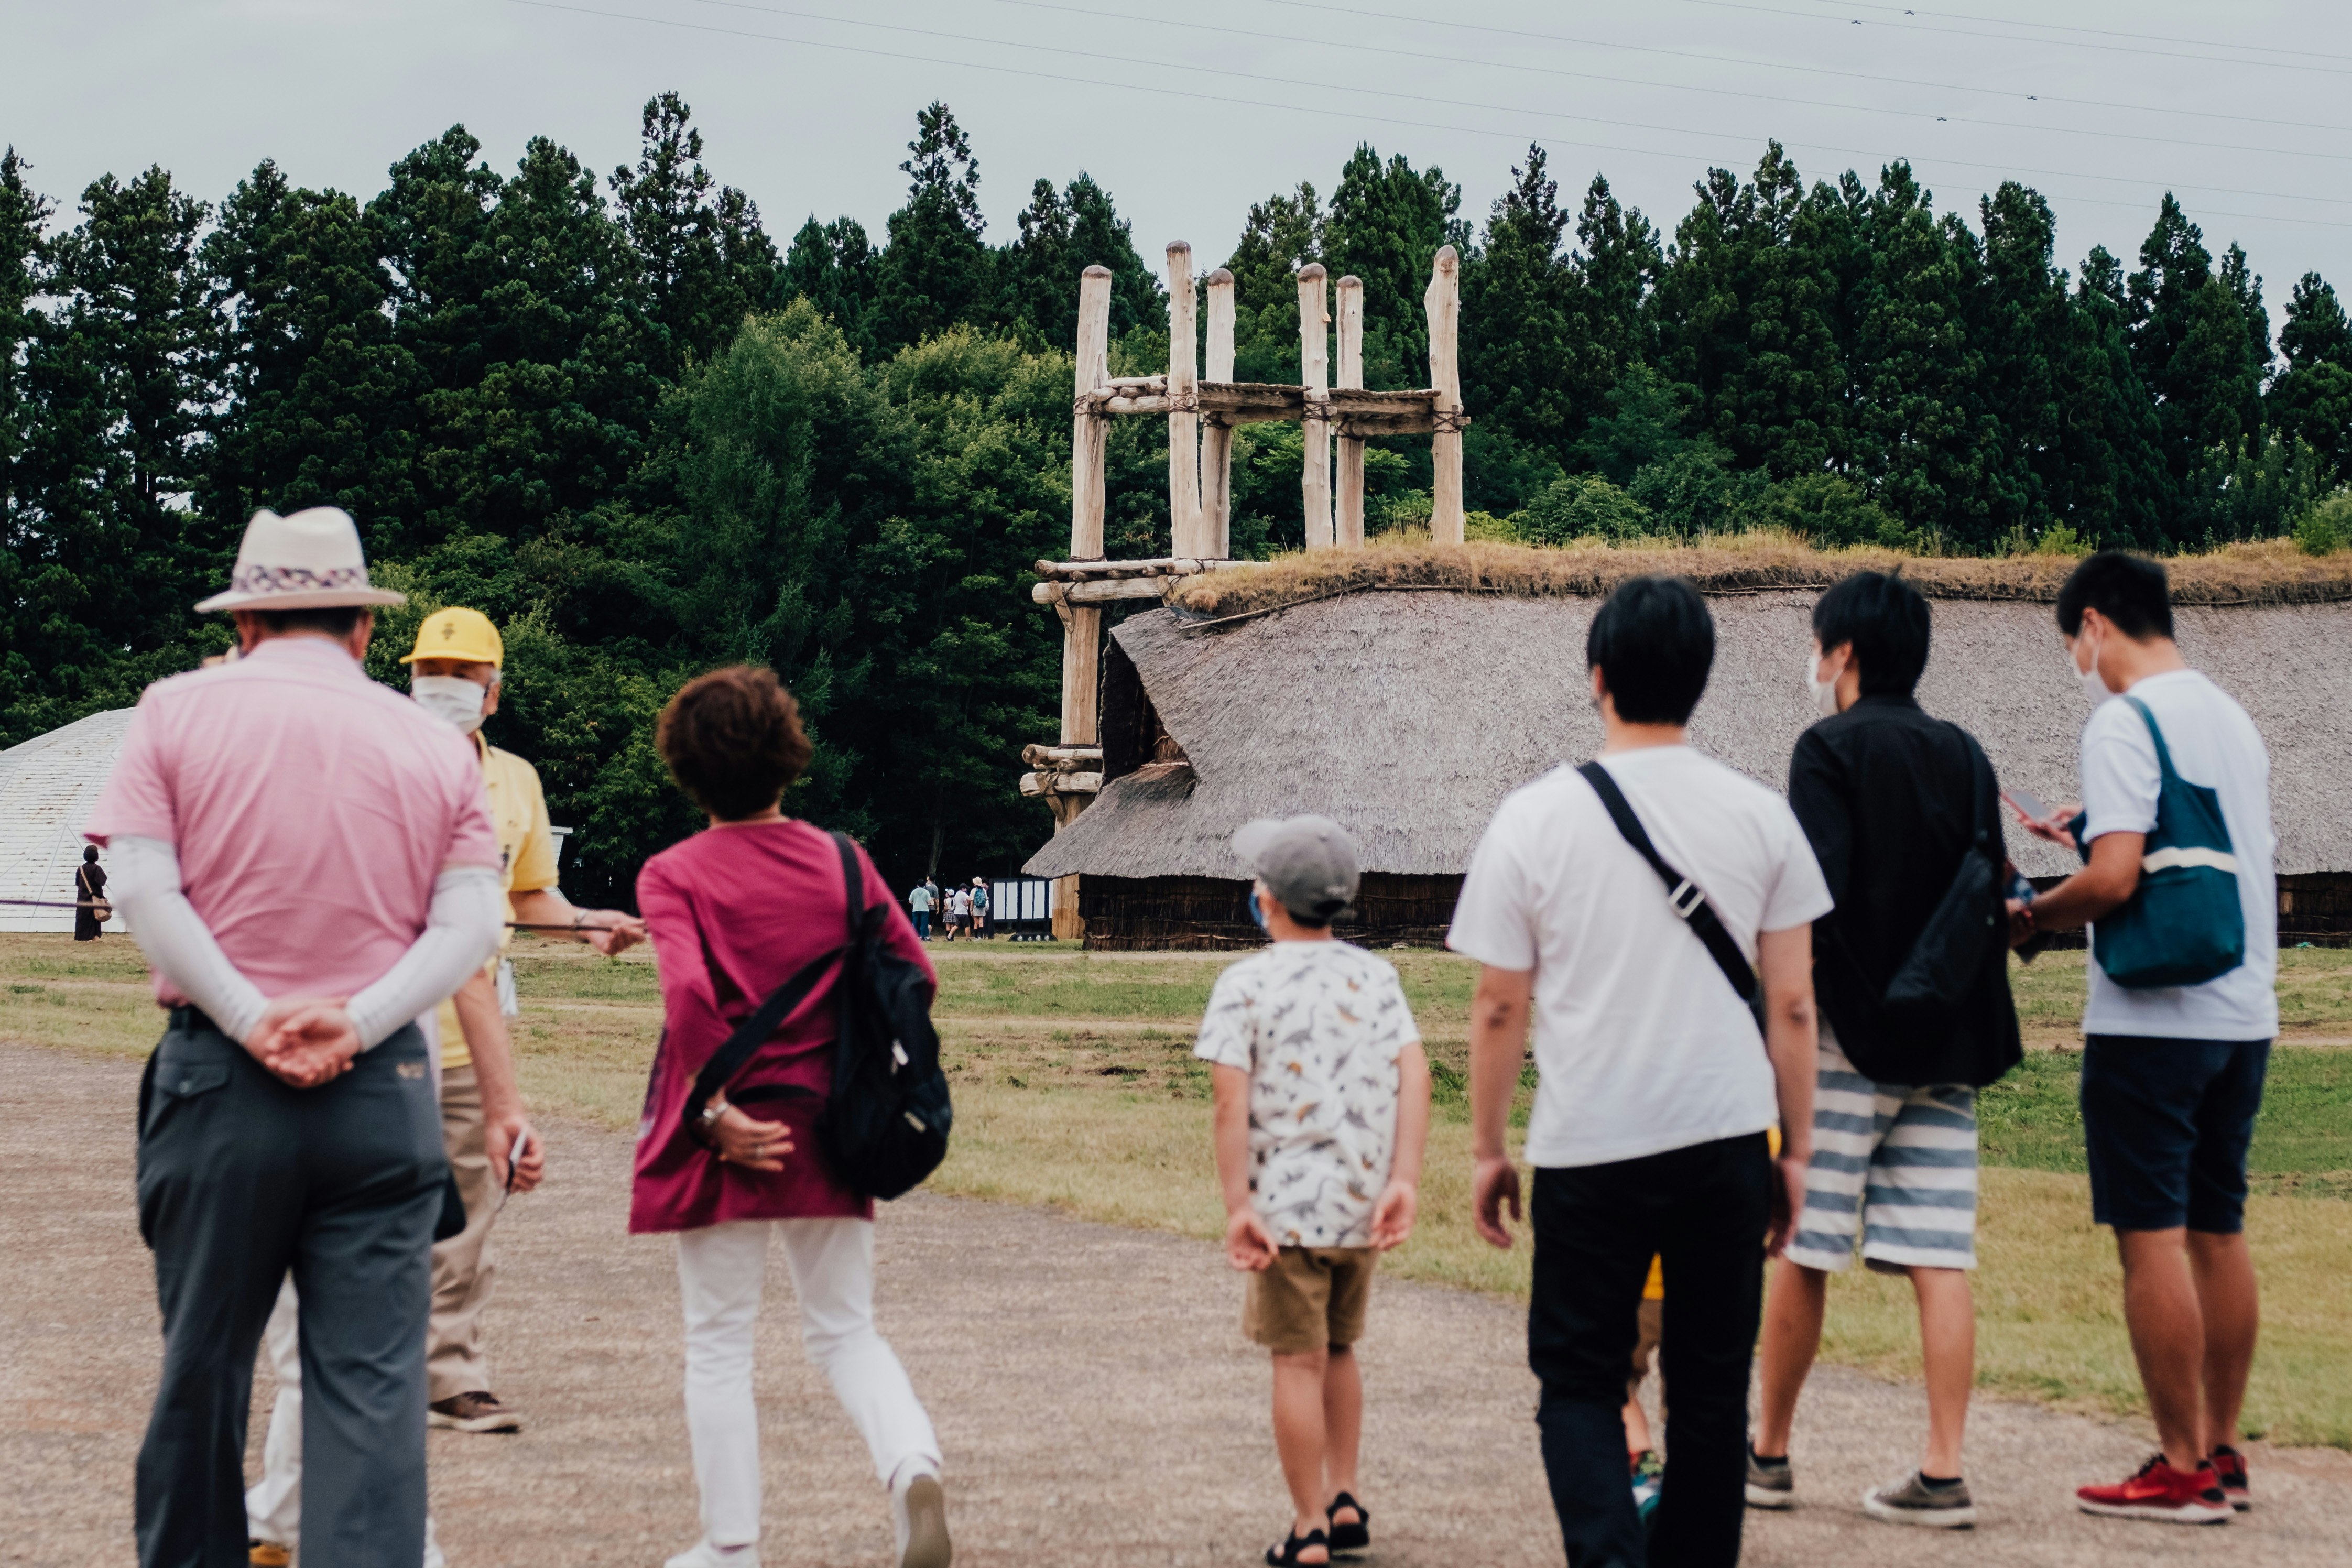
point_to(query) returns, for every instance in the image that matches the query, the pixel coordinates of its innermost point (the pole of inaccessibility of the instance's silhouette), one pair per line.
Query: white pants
(273, 1505)
(720, 1272)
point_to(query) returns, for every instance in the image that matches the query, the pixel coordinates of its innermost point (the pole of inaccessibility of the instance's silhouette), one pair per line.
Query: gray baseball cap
(1308, 862)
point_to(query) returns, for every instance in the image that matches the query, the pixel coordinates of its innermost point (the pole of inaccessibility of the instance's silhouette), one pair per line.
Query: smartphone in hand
(2025, 803)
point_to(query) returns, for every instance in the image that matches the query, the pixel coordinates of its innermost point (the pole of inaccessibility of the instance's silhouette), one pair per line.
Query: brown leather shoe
(478, 1411)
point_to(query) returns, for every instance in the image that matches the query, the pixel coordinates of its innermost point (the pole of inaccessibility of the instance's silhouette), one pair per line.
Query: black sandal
(1353, 1536)
(1286, 1555)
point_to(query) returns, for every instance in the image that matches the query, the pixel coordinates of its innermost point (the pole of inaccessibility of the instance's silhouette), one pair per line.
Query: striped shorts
(1897, 1166)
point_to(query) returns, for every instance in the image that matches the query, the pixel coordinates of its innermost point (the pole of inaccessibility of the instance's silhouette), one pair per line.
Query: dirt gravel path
(1091, 1388)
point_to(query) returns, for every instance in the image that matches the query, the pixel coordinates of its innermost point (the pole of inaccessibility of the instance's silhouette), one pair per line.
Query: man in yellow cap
(455, 673)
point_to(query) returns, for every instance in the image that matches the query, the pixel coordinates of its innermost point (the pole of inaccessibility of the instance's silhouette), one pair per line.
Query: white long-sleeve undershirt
(461, 932)
(174, 937)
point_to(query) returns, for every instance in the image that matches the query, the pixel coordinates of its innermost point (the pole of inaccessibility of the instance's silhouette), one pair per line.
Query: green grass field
(1076, 1087)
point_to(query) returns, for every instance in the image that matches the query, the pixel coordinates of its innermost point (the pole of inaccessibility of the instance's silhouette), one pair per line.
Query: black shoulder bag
(1949, 956)
(884, 1125)
(1684, 894)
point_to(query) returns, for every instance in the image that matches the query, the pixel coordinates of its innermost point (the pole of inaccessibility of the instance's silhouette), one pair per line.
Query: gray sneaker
(1913, 1501)
(1771, 1483)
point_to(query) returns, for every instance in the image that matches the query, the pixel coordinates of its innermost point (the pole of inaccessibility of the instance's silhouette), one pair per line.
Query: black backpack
(884, 1125)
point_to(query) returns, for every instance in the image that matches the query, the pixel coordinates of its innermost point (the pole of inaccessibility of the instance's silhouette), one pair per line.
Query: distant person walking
(286, 834)
(1322, 1112)
(979, 907)
(1894, 805)
(960, 913)
(919, 904)
(91, 911)
(1654, 1092)
(2182, 901)
(735, 911)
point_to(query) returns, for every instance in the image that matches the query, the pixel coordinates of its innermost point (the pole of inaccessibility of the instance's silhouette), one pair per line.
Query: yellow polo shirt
(526, 858)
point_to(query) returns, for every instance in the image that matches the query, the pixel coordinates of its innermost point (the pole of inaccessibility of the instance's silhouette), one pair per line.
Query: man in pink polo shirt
(307, 861)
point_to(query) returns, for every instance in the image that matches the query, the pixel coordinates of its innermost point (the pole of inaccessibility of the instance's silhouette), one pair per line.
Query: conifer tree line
(614, 413)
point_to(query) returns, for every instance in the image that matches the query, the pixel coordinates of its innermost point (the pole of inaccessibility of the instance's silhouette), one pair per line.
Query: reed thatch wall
(1211, 913)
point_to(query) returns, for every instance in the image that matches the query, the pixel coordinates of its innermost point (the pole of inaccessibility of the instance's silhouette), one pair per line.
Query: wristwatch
(706, 1123)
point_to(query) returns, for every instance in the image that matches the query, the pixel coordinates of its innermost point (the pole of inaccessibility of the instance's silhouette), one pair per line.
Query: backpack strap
(1980, 797)
(753, 1031)
(1683, 893)
(853, 887)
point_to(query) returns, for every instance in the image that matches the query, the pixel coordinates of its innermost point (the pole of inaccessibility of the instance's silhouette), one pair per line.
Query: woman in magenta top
(734, 911)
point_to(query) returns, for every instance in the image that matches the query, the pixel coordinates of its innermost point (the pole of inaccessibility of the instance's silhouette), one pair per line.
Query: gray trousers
(242, 1178)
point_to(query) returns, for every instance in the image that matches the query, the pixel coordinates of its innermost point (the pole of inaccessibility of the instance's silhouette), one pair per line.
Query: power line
(2096, 32)
(1673, 86)
(1636, 49)
(1289, 108)
(1960, 162)
(1459, 103)
(2045, 42)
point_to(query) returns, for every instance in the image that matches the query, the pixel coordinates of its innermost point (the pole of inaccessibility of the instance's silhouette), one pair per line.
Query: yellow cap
(459, 634)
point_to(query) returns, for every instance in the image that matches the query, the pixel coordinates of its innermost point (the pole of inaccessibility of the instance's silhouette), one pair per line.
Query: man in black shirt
(1893, 802)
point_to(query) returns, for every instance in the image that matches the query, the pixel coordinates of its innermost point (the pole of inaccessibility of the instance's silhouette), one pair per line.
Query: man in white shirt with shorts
(1655, 1089)
(2172, 1074)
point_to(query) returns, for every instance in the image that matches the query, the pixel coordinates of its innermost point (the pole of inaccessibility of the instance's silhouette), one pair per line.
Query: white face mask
(1825, 691)
(452, 698)
(2095, 690)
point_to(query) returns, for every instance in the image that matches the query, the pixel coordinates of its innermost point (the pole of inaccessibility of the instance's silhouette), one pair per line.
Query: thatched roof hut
(1407, 710)
(48, 787)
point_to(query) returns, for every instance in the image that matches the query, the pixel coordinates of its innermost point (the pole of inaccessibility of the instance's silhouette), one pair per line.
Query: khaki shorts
(1653, 1322)
(1309, 1298)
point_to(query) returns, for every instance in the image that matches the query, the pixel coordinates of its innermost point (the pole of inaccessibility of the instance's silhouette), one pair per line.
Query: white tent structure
(48, 787)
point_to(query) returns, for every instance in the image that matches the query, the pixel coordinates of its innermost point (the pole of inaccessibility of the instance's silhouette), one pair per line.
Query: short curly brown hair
(734, 741)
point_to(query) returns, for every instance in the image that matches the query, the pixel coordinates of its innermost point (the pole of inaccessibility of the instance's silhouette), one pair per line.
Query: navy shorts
(2165, 1124)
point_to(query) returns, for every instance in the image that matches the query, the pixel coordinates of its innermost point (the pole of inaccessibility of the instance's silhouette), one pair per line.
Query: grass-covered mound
(2274, 572)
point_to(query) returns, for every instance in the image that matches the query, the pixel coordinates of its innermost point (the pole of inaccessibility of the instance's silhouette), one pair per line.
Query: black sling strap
(752, 1032)
(1684, 894)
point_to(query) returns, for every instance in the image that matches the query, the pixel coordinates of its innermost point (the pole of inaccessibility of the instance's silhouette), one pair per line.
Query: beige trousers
(463, 1265)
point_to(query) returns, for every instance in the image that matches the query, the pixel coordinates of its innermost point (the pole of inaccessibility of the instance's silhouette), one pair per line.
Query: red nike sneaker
(2157, 1490)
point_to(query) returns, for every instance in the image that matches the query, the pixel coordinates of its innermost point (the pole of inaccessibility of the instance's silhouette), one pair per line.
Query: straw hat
(310, 560)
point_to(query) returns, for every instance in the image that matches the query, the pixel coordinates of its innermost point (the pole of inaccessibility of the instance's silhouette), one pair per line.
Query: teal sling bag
(2184, 924)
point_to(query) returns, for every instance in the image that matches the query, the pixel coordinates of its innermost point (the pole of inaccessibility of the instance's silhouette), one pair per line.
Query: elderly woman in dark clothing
(90, 907)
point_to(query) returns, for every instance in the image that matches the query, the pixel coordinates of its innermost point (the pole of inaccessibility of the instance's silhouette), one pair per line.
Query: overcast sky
(1188, 113)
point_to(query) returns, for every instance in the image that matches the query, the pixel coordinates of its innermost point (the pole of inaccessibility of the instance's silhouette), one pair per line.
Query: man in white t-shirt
(2172, 1075)
(1654, 1090)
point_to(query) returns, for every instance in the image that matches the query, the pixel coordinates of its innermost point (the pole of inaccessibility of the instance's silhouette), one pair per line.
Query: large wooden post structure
(1443, 304)
(1315, 374)
(1347, 523)
(1201, 413)
(1184, 409)
(1216, 430)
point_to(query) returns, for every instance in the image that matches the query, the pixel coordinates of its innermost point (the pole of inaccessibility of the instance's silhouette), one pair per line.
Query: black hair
(1885, 620)
(335, 620)
(90, 851)
(1653, 643)
(2129, 590)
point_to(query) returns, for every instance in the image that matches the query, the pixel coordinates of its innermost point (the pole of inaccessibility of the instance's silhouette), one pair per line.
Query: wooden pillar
(1082, 675)
(1216, 436)
(1184, 408)
(1089, 431)
(1443, 302)
(1315, 374)
(1347, 524)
